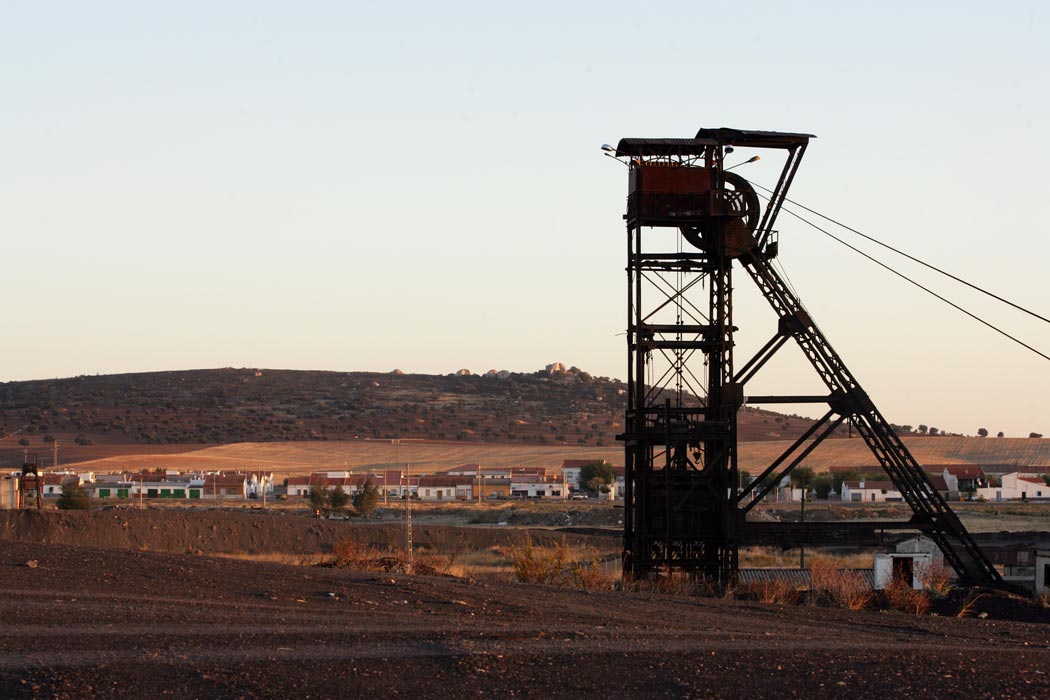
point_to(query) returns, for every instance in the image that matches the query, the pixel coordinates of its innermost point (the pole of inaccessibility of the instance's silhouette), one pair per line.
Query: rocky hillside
(554, 406)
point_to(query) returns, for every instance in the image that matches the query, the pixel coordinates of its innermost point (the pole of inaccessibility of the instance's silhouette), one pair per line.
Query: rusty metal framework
(30, 472)
(688, 221)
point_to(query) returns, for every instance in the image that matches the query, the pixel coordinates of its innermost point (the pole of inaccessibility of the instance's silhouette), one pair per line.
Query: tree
(74, 497)
(801, 478)
(1001, 434)
(23, 442)
(822, 486)
(1035, 435)
(338, 498)
(933, 431)
(922, 429)
(366, 498)
(838, 477)
(319, 498)
(982, 432)
(1046, 479)
(596, 474)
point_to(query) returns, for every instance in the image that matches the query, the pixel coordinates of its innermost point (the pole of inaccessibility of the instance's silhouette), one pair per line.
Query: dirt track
(97, 623)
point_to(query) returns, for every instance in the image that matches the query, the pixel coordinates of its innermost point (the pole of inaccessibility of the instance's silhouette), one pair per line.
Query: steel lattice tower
(689, 223)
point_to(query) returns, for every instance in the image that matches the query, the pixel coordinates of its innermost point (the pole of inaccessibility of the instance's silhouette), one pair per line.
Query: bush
(592, 577)
(936, 579)
(74, 497)
(834, 586)
(351, 555)
(366, 499)
(338, 498)
(901, 596)
(539, 565)
(773, 590)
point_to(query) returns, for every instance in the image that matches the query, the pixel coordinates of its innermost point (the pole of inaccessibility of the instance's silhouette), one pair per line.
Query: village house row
(473, 482)
(463, 483)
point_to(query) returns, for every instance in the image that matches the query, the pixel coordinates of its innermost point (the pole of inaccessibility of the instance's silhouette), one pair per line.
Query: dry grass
(594, 576)
(842, 588)
(275, 558)
(901, 596)
(539, 564)
(305, 457)
(776, 558)
(349, 554)
(936, 579)
(1044, 598)
(773, 590)
(967, 607)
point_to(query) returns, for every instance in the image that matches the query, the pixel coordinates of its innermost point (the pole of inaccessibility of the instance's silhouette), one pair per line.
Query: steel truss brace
(849, 400)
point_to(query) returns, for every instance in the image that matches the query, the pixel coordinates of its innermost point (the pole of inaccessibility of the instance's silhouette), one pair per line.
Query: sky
(370, 186)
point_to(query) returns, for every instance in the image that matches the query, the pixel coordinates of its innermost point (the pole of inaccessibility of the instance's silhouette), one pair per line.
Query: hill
(166, 412)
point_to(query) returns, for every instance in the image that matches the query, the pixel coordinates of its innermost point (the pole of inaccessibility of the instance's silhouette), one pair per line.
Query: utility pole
(802, 519)
(54, 455)
(408, 515)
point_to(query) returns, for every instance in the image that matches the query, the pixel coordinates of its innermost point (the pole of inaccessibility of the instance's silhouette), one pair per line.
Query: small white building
(1042, 571)
(865, 491)
(1016, 486)
(538, 487)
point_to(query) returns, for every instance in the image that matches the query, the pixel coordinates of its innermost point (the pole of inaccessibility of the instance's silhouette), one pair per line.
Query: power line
(912, 257)
(917, 284)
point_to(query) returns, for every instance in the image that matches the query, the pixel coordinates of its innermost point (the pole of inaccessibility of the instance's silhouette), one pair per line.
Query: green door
(195, 493)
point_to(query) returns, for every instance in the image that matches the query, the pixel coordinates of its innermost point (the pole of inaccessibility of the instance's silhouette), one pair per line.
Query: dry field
(303, 457)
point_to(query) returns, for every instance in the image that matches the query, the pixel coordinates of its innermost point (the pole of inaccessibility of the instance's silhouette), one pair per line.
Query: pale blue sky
(335, 185)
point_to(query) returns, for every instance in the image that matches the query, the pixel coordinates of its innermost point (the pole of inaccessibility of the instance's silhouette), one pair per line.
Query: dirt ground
(213, 531)
(87, 622)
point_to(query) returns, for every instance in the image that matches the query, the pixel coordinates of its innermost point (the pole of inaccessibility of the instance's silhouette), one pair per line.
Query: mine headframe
(684, 507)
(30, 475)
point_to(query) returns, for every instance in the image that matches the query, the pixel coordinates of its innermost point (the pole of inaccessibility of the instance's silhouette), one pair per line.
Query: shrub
(366, 499)
(74, 497)
(592, 577)
(936, 579)
(835, 586)
(901, 596)
(539, 565)
(773, 590)
(351, 555)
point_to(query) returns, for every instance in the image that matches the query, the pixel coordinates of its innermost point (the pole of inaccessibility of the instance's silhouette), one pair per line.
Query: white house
(531, 486)
(1016, 486)
(865, 491)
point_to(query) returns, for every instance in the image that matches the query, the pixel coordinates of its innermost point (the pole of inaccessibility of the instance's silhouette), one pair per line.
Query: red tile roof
(577, 463)
(965, 471)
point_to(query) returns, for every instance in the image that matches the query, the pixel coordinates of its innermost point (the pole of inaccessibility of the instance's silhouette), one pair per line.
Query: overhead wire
(912, 257)
(917, 284)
